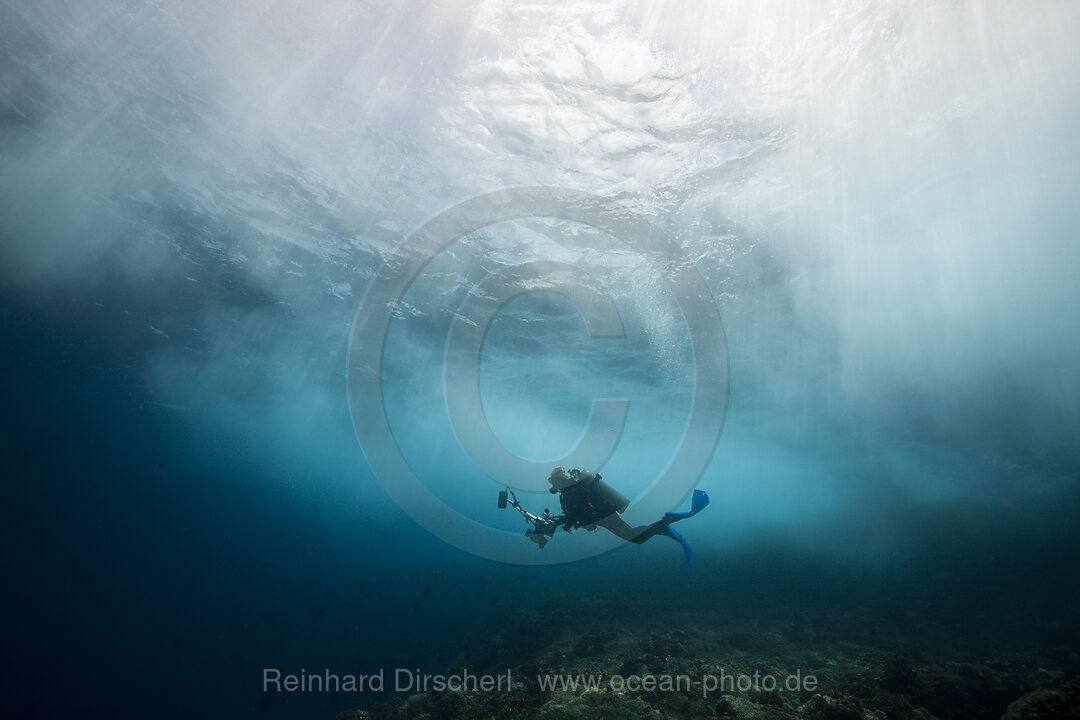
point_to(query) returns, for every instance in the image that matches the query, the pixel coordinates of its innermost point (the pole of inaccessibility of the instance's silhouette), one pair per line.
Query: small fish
(464, 600)
(270, 626)
(416, 606)
(493, 600)
(315, 615)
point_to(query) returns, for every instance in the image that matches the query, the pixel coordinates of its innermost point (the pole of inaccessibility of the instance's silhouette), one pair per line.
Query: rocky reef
(814, 668)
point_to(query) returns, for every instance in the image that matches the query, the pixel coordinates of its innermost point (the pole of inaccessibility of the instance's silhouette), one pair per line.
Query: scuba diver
(589, 502)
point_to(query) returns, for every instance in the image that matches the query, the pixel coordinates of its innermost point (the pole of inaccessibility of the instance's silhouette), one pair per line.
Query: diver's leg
(698, 503)
(641, 533)
(619, 528)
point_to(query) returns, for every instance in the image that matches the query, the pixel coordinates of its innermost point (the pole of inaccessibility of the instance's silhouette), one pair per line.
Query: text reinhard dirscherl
(415, 681)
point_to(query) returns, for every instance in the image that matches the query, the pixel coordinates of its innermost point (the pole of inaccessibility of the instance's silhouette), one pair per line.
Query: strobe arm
(544, 525)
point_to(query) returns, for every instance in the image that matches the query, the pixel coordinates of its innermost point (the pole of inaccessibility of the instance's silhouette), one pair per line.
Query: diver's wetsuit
(582, 505)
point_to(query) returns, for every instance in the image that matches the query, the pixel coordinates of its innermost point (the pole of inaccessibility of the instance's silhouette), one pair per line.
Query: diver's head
(559, 480)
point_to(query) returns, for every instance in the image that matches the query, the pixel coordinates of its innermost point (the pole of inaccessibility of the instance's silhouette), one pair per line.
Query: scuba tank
(610, 496)
(589, 498)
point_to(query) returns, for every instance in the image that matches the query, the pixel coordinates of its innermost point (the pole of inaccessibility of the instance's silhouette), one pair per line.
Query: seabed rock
(1048, 704)
(856, 680)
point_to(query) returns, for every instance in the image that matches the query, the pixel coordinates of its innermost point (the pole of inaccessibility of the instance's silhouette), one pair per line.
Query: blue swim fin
(663, 527)
(671, 533)
(698, 503)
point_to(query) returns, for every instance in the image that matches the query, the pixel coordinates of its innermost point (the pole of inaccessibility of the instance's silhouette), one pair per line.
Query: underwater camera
(502, 499)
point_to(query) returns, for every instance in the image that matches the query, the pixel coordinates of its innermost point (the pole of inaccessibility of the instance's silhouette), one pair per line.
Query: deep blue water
(879, 200)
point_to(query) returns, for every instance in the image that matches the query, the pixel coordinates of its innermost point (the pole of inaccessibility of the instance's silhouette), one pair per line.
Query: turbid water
(844, 234)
